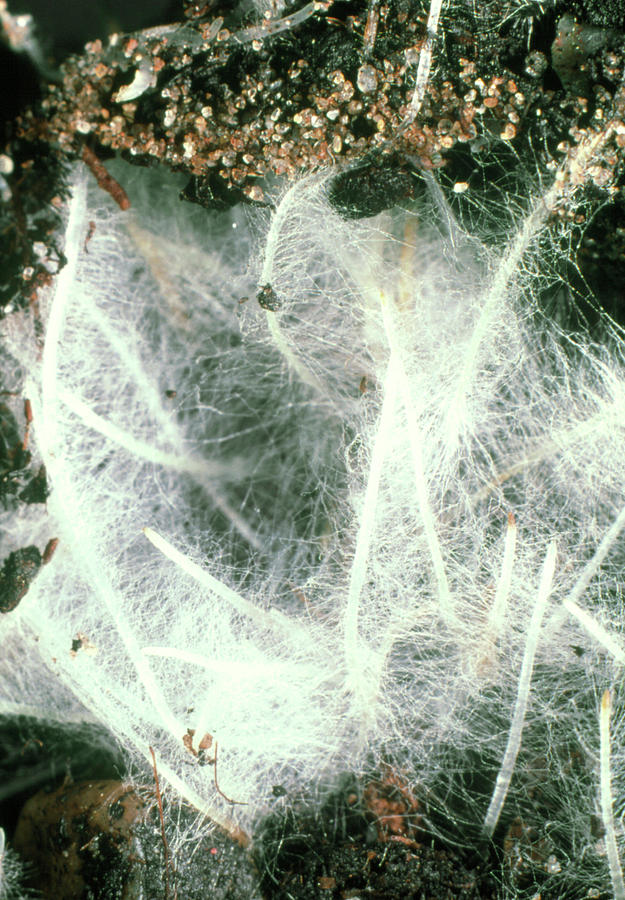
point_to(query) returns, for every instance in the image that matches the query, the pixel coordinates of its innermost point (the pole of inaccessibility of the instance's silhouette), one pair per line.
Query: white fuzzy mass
(383, 516)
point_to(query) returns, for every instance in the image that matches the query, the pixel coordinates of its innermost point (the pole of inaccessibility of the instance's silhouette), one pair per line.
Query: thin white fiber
(316, 532)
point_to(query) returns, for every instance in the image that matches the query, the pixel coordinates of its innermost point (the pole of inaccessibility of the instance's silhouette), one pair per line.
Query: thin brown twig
(105, 179)
(162, 818)
(219, 790)
(28, 415)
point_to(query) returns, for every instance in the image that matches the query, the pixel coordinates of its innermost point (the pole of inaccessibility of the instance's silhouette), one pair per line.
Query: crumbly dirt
(229, 103)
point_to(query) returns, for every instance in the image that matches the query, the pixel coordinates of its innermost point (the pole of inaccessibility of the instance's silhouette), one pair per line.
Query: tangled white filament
(353, 494)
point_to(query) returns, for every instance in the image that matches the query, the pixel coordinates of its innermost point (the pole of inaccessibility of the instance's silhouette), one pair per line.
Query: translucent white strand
(607, 803)
(497, 615)
(48, 430)
(291, 201)
(421, 484)
(366, 527)
(594, 628)
(197, 467)
(46, 426)
(271, 618)
(504, 777)
(236, 668)
(594, 564)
